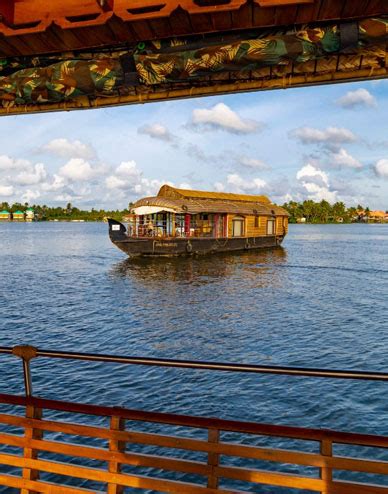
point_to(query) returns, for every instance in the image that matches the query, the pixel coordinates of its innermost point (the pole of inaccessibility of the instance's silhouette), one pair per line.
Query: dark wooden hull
(175, 246)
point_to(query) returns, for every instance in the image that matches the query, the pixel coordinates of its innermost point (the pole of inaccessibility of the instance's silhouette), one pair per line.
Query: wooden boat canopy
(95, 53)
(195, 202)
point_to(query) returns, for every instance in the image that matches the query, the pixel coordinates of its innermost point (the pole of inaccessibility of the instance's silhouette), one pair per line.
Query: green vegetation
(324, 212)
(68, 213)
(313, 212)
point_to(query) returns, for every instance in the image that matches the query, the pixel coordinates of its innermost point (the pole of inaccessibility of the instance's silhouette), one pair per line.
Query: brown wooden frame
(214, 471)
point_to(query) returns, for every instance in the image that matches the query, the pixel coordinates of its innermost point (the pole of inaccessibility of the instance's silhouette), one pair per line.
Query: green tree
(339, 210)
(324, 211)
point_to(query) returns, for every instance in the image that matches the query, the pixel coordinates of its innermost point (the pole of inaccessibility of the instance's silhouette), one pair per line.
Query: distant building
(378, 216)
(18, 216)
(301, 220)
(362, 216)
(5, 215)
(30, 214)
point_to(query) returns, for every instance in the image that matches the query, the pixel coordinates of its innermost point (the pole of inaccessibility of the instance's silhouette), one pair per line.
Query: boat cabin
(199, 214)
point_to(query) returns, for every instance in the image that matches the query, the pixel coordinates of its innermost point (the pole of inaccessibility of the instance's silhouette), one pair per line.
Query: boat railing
(163, 229)
(135, 449)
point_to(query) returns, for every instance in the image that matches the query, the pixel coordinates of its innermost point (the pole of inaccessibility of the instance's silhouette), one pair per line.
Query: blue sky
(324, 142)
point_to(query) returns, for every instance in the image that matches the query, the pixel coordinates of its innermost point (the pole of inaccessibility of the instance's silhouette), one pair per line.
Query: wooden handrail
(198, 422)
(291, 432)
(213, 470)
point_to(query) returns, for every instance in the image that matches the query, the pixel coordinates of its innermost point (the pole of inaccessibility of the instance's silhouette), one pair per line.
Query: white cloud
(381, 168)
(309, 171)
(148, 187)
(128, 169)
(6, 190)
(128, 177)
(113, 182)
(157, 131)
(331, 135)
(7, 163)
(78, 169)
(343, 159)
(241, 186)
(30, 195)
(222, 117)
(219, 187)
(185, 185)
(57, 183)
(34, 175)
(64, 197)
(316, 183)
(252, 163)
(359, 97)
(318, 193)
(69, 149)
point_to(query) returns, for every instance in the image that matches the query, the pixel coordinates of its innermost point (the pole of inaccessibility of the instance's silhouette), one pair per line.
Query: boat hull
(176, 246)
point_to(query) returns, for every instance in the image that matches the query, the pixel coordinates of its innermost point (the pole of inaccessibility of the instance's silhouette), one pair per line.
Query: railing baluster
(116, 424)
(32, 412)
(213, 458)
(326, 471)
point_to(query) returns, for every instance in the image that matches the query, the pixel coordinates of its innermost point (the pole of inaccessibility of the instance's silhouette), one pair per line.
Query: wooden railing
(224, 459)
(57, 447)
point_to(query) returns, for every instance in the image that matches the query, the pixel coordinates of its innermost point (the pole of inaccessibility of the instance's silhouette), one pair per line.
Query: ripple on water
(320, 301)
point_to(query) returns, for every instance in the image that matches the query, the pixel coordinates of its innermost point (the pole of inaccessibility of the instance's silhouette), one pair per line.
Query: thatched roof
(194, 202)
(173, 193)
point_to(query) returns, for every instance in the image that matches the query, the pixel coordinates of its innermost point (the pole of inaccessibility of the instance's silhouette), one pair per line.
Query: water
(320, 301)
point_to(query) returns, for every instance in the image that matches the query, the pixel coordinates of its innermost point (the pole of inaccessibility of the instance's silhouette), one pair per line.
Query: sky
(323, 142)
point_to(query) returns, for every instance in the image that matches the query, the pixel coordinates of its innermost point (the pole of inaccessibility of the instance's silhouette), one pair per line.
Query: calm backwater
(320, 301)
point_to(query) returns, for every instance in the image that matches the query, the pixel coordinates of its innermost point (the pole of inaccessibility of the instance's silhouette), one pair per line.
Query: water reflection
(200, 269)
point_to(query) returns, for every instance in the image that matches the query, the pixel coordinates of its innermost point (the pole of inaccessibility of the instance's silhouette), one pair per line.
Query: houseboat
(186, 222)
(5, 215)
(30, 215)
(18, 216)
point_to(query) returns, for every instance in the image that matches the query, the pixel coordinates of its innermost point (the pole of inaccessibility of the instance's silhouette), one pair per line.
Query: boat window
(238, 227)
(271, 227)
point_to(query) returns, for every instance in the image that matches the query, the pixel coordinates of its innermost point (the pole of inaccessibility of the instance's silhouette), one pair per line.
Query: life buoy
(184, 207)
(189, 247)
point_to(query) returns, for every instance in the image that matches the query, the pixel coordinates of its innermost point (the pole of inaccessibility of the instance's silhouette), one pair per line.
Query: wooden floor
(67, 448)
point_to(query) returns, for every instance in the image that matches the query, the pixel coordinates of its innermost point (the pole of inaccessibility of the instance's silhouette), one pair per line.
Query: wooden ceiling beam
(281, 3)
(88, 24)
(7, 10)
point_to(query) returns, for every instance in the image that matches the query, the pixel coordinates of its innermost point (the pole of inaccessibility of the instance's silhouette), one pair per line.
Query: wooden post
(326, 472)
(226, 233)
(173, 219)
(216, 225)
(32, 412)
(187, 225)
(116, 424)
(213, 458)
